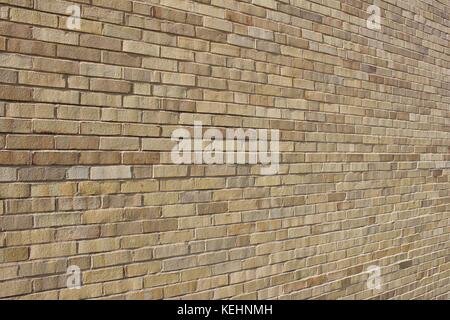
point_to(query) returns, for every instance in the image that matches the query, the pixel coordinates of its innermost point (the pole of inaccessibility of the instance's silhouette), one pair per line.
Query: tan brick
(55, 96)
(141, 130)
(110, 85)
(102, 275)
(101, 99)
(11, 60)
(15, 93)
(100, 70)
(57, 219)
(29, 237)
(99, 158)
(55, 126)
(138, 47)
(78, 53)
(176, 53)
(140, 157)
(85, 292)
(15, 288)
(41, 79)
(121, 58)
(96, 128)
(32, 47)
(53, 35)
(110, 259)
(178, 210)
(94, 41)
(77, 233)
(52, 250)
(57, 189)
(159, 64)
(110, 172)
(14, 191)
(16, 29)
(179, 289)
(119, 143)
(8, 76)
(33, 17)
(15, 125)
(15, 157)
(29, 142)
(54, 65)
(8, 272)
(123, 286)
(97, 245)
(140, 186)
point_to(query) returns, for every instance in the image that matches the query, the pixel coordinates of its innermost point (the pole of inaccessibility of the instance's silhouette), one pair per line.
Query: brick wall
(86, 177)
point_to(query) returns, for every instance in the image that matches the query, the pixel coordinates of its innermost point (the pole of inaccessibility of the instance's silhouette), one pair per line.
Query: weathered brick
(15, 93)
(86, 170)
(29, 142)
(32, 47)
(15, 288)
(110, 172)
(119, 143)
(146, 49)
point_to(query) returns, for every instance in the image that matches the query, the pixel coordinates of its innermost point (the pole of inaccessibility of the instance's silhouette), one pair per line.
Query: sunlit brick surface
(86, 177)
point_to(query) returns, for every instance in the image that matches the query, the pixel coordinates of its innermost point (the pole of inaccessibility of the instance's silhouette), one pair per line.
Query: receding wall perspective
(216, 149)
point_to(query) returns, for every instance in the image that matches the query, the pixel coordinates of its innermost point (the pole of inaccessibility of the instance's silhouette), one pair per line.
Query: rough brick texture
(86, 179)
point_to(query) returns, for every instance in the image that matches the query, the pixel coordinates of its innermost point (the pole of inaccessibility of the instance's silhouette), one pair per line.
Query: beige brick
(57, 219)
(55, 126)
(77, 233)
(110, 259)
(146, 49)
(160, 64)
(52, 190)
(102, 275)
(53, 35)
(178, 210)
(100, 70)
(14, 254)
(110, 85)
(33, 17)
(11, 60)
(55, 96)
(8, 76)
(85, 292)
(15, 288)
(8, 272)
(110, 172)
(52, 250)
(101, 99)
(123, 286)
(32, 47)
(176, 53)
(8, 174)
(102, 216)
(87, 40)
(78, 53)
(178, 78)
(14, 191)
(140, 102)
(95, 128)
(97, 245)
(15, 93)
(119, 143)
(158, 280)
(140, 186)
(179, 289)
